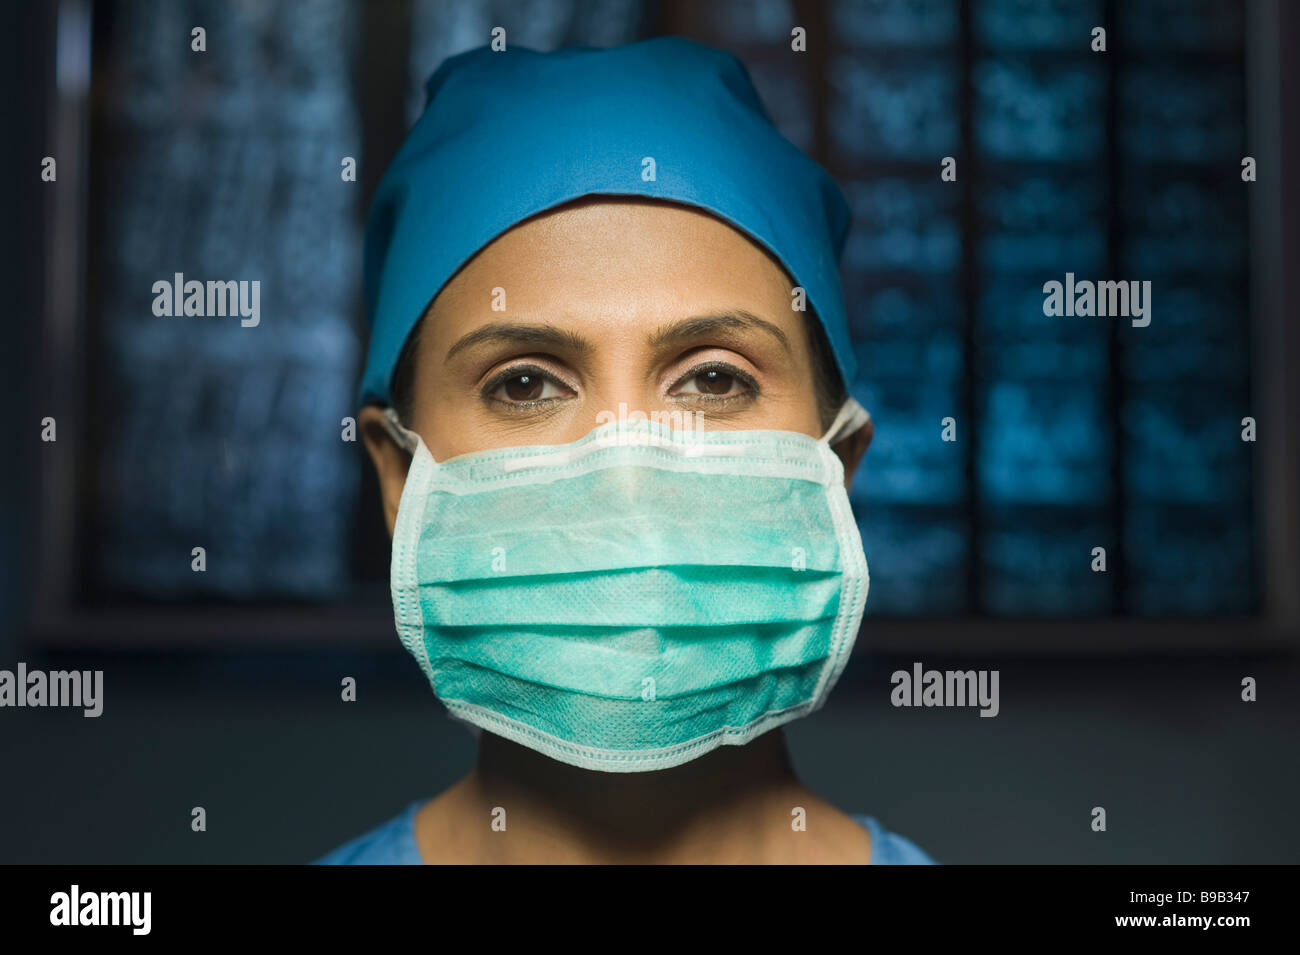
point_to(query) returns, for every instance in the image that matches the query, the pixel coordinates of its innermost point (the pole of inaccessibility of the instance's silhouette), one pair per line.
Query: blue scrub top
(393, 843)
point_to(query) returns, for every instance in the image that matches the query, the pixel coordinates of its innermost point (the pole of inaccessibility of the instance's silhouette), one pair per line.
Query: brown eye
(524, 388)
(714, 382)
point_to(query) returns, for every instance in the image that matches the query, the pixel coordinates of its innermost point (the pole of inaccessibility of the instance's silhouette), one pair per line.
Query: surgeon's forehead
(619, 259)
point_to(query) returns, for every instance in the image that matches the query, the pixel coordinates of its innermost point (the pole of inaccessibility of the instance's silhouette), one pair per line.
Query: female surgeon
(607, 398)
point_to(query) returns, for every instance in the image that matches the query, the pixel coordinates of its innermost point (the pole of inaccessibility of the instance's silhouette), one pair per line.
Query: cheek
(447, 441)
(793, 409)
(794, 400)
(805, 419)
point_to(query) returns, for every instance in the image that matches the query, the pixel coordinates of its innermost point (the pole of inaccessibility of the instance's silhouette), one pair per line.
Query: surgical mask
(634, 599)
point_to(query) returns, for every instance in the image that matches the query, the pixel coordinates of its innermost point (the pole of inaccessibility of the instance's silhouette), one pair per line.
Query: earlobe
(852, 448)
(391, 461)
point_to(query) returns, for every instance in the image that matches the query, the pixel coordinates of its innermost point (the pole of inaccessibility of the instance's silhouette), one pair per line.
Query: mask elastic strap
(406, 439)
(852, 416)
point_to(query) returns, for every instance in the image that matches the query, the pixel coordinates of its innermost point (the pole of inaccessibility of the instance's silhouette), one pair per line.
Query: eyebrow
(547, 336)
(699, 325)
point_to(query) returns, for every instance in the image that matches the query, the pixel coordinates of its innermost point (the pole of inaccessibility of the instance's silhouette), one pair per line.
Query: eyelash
(718, 400)
(514, 371)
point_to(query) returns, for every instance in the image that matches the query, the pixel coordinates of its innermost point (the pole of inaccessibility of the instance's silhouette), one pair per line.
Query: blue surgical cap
(506, 135)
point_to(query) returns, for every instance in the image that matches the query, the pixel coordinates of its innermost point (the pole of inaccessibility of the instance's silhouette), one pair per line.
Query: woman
(606, 397)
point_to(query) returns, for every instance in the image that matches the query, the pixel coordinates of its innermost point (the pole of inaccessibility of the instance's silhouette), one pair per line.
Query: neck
(726, 799)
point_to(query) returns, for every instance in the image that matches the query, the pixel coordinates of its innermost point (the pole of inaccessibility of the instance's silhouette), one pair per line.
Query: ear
(852, 448)
(391, 460)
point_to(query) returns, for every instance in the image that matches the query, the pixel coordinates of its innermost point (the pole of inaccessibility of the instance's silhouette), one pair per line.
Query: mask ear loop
(851, 417)
(406, 439)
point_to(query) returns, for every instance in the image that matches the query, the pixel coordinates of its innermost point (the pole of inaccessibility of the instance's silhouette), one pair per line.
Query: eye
(525, 386)
(715, 381)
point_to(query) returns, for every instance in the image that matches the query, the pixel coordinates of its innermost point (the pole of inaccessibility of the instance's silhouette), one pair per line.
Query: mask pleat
(615, 663)
(702, 596)
(631, 726)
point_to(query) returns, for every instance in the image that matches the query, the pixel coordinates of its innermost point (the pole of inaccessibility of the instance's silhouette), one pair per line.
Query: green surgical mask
(636, 598)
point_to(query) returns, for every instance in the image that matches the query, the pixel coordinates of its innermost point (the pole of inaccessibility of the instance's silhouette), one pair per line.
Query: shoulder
(889, 848)
(392, 843)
